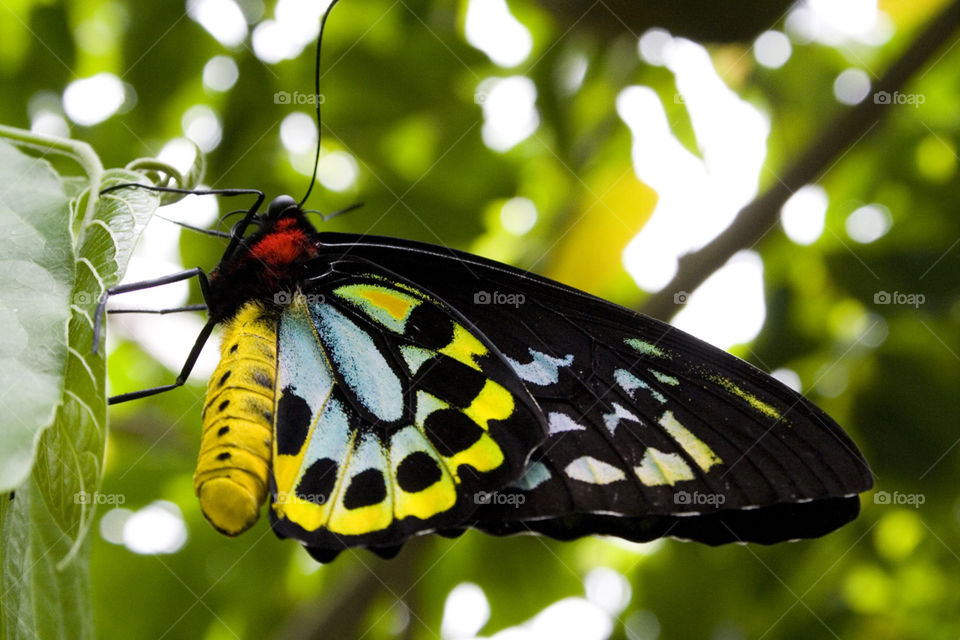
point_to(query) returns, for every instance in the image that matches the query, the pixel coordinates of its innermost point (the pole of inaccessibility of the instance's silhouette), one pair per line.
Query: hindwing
(391, 413)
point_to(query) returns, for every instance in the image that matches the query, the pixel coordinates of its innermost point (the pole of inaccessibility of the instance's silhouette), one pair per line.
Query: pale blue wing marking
(611, 420)
(363, 367)
(560, 422)
(415, 356)
(542, 370)
(332, 437)
(533, 476)
(629, 382)
(301, 363)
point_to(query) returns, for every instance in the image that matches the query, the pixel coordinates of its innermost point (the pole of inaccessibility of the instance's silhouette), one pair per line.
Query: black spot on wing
(450, 380)
(222, 431)
(224, 378)
(365, 489)
(293, 422)
(429, 327)
(450, 431)
(417, 471)
(318, 481)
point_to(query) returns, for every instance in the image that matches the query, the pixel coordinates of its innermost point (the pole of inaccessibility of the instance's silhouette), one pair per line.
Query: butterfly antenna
(316, 99)
(326, 217)
(226, 216)
(207, 232)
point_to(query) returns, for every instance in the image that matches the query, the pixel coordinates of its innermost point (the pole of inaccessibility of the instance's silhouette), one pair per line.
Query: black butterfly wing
(652, 431)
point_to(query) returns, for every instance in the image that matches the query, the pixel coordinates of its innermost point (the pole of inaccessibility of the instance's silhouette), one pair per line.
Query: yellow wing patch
(389, 307)
(465, 347)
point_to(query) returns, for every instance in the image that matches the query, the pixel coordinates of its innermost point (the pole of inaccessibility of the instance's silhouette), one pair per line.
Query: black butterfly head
(282, 206)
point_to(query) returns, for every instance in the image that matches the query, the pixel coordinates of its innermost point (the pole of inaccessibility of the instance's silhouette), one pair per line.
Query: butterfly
(373, 389)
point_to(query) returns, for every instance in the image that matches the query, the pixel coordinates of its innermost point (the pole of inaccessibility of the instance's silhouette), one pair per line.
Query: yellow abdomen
(237, 440)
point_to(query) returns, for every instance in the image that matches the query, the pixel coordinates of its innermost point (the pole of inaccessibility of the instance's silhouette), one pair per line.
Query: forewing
(651, 431)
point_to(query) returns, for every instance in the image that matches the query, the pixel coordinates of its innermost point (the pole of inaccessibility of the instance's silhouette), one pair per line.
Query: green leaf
(64, 257)
(36, 259)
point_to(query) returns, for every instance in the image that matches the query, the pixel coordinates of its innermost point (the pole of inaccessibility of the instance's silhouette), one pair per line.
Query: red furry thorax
(284, 246)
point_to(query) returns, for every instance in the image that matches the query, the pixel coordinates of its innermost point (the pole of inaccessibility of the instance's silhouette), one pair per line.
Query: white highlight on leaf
(112, 523)
(92, 100)
(518, 215)
(465, 612)
(804, 214)
(222, 19)
(728, 308)
(337, 171)
(156, 528)
(491, 28)
(608, 589)
(49, 123)
(569, 618)
(788, 377)
(699, 195)
(589, 469)
(869, 223)
(772, 49)
(202, 125)
(298, 134)
(851, 86)
(509, 111)
(220, 73)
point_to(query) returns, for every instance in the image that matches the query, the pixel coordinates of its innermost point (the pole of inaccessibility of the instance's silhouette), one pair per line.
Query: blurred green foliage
(400, 83)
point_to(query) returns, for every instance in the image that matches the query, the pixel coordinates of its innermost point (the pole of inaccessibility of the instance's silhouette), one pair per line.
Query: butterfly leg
(197, 345)
(238, 230)
(161, 312)
(181, 378)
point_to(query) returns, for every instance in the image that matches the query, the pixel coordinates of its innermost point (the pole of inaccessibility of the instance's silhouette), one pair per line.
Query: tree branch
(757, 217)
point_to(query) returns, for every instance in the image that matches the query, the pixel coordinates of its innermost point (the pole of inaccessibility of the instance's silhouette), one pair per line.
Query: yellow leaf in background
(906, 15)
(614, 207)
